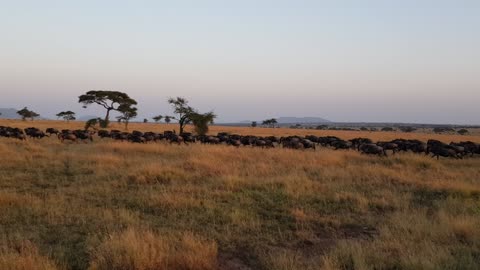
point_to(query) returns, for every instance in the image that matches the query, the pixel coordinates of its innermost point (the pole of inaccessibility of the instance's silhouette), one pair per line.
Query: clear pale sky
(397, 61)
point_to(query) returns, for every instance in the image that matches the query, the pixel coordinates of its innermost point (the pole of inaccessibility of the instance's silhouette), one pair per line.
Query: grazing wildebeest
(135, 138)
(439, 151)
(176, 139)
(234, 142)
(69, 136)
(328, 140)
(84, 135)
(388, 146)
(356, 142)
(188, 137)
(34, 133)
(51, 131)
(104, 134)
(372, 149)
(341, 144)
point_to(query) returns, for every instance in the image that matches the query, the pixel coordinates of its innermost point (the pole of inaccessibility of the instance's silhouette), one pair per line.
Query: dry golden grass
(146, 250)
(114, 205)
(24, 257)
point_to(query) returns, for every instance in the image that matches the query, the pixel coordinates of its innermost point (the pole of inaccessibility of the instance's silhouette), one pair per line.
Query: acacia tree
(270, 122)
(183, 111)
(67, 115)
(157, 118)
(26, 113)
(168, 119)
(110, 100)
(92, 123)
(187, 115)
(254, 124)
(127, 113)
(201, 122)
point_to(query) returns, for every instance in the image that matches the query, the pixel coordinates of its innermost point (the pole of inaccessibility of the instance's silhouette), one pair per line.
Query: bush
(462, 131)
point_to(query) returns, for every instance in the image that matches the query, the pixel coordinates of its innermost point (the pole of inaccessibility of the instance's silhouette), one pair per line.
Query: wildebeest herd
(363, 145)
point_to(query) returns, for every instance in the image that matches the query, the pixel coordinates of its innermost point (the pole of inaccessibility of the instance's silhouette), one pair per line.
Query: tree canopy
(127, 113)
(201, 121)
(66, 115)
(157, 118)
(270, 122)
(110, 100)
(187, 115)
(26, 113)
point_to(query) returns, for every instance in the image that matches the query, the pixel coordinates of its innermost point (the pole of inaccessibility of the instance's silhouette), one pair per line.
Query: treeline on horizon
(185, 114)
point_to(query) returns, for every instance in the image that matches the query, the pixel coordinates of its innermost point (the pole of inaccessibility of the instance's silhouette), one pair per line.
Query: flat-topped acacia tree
(26, 113)
(110, 100)
(67, 115)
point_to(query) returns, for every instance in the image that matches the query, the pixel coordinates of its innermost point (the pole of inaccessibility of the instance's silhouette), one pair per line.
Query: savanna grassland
(117, 205)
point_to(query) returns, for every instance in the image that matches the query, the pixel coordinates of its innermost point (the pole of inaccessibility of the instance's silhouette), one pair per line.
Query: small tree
(274, 122)
(26, 113)
(92, 123)
(110, 100)
(407, 129)
(321, 127)
(387, 129)
(201, 122)
(254, 124)
(463, 131)
(157, 118)
(168, 119)
(145, 120)
(270, 122)
(183, 111)
(127, 113)
(67, 115)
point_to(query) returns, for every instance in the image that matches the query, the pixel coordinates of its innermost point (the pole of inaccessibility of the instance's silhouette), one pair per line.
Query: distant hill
(286, 121)
(302, 120)
(9, 113)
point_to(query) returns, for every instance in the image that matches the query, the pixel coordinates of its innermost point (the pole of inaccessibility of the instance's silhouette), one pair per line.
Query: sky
(415, 61)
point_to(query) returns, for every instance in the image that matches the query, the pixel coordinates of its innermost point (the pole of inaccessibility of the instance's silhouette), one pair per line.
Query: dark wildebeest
(341, 144)
(51, 131)
(104, 134)
(34, 133)
(67, 136)
(439, 151)
(388, 146)
(356, 142)
(372, 149)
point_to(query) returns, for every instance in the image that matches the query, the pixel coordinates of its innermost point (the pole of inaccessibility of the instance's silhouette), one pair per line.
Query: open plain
(118, 205)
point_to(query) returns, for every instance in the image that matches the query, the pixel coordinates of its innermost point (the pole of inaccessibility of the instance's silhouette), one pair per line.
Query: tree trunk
(107, 117)
(182, 125)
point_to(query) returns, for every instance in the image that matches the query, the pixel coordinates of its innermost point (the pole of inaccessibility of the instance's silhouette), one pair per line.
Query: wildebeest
(341, 144)
(444, 152)
(51, 131)
(356, 142)
(371, 149)
(388, 146)
(34, 133)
